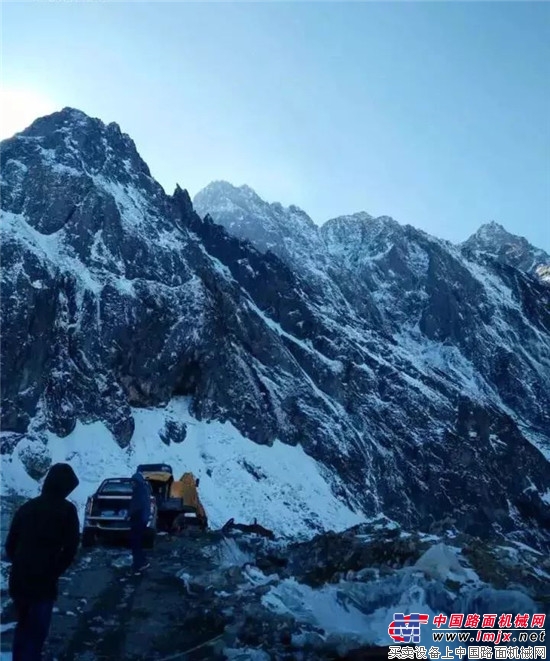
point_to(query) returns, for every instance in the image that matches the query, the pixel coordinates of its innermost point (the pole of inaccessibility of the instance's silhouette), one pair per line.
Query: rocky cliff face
(434, 342)
(416, 372)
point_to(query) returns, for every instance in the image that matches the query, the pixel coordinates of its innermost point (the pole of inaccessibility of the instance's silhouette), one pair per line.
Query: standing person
(41, 545)
(140, 511)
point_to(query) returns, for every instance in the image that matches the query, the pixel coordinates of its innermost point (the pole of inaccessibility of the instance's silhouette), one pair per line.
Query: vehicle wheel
(88, 538)
(149, 538)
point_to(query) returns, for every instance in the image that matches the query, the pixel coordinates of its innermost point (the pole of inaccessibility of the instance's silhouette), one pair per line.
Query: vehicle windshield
(117, 487)
(154, 468)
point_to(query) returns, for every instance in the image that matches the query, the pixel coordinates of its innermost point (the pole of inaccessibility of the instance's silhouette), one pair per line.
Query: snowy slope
(280, 486)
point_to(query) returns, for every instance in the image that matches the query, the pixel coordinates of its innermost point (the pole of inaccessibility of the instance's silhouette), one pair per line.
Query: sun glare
(20, 107)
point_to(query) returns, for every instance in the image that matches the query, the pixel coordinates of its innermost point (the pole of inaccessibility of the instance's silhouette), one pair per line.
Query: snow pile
(281, 486)
(323, 608)
(231, 554)
(352, 614)
(441, 562)
(34, 456)
(359, 613)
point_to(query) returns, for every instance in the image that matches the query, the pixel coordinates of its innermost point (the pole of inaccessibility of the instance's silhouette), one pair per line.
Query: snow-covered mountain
(286, 232)
(492, 239)
(445, 337)
(415, 375)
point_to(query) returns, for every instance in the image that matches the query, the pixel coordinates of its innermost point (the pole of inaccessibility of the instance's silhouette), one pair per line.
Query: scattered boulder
(173, 432)
(35, 455)
(8, 442)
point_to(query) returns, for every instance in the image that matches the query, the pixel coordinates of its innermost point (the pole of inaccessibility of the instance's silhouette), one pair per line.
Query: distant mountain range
(415, 371)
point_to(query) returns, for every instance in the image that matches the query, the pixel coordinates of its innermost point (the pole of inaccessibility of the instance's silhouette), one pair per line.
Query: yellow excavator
(175, 498)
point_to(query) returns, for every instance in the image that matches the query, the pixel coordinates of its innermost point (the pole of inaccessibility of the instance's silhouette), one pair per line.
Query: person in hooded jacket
(41, 545)
(140, 511)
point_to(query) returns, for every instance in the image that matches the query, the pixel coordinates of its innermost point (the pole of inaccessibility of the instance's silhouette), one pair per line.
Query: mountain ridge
(491, 230)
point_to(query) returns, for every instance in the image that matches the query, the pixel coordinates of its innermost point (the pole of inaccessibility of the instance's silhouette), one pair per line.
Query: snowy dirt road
(200, 599)
(103, 613)
(210, 595)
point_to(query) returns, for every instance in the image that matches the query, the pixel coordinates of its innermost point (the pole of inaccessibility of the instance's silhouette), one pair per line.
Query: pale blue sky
(436, 114)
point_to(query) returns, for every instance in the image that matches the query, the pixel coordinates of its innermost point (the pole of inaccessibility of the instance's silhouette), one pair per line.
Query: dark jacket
(140, 504)
(43, 538)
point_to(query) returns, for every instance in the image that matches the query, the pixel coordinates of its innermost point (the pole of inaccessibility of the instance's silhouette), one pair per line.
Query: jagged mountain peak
(493, 233)
(358, 217)
(363, 221)
(182, 201)
(64, 117)
(74, 119)
(494, 240)
(491, 227)
(70, 138)
(364, 218)
(83, 157)
(224, 189)
(267, 225)
(69, 120)
(216, 192)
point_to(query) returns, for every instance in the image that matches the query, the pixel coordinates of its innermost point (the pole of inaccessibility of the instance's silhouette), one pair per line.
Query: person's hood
(60, 481)
(138, 477)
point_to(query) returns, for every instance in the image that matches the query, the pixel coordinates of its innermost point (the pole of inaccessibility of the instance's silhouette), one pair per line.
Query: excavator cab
(176, 499)
(191, 511)
(160, 478)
